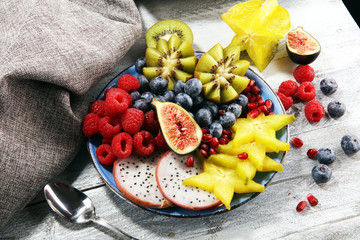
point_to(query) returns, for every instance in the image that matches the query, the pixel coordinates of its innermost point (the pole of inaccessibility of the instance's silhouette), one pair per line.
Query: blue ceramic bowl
(238, 199)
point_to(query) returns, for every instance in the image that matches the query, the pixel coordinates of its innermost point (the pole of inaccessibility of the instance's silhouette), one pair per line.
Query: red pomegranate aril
(214, 143)
(227, 139)
(226, 132)
(205, 130)
(297, 142)
(301, 206)
(312, 152)
(206, 137)
(205, 147)
(204, 153)
(252, 105)
(190, 161)
(260, 101)
(254, 113)
(255, 90)
(221, 112)
(212, 152)
(222, 141)
(243, 155)
(312, 200)
(251, 83)
(268, 103)
(252, 99)
(264, 109)
(246, 90)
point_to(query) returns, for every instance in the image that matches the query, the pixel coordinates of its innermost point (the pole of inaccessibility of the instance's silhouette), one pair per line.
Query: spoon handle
(109, 226)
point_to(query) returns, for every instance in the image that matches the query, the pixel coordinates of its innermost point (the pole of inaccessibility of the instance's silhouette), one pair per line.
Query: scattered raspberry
(286, 101)
(151, 123)
(132, 120)
(105, 154)
(97, 107)
(122, 145)
(160, 141)
(91, 124)
(314, 111)
(109, 127)
(128, 82)
(288, 88)
(116, 101)
(304, 73)
(306, 91)
(143, 143)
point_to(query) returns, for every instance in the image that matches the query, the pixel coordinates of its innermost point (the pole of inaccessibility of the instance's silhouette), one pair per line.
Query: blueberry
(336, 109)
(227, 119)
(321, 173)
(350, 144)
(159, 84)
(328, 86)
(198, 55)
(203, 117)
(235, 109)
(242, 100)
(326, 156)
(135, 95)
(223, 107)
(144, 83)
(184, 100)
(179, 87)
(169, 96)
(139, 64)
(216, 129)
(213, 108)
(148, 96)
(160, 98)
(193, 87)
(142, 105)
(197, 101)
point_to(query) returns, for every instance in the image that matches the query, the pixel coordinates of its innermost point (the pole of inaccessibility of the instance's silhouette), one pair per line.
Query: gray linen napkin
(51, 53)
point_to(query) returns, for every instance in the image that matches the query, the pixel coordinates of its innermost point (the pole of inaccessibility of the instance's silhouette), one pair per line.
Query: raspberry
(97, 107)
(160, 141)
(116, 101)
(109, 127)
(132, 120)
(91, 124)
(143, 144)
(151, 123)
(105, 154)
(306, 91)
(128, 82)
(288, 88)
(286, 101)
(314, 111)
(304, 73)
(122, 145)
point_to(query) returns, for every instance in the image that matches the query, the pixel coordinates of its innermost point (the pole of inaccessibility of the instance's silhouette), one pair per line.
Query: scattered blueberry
(184, 100)
(328, 86)
(203, 117)
(179, 87)
(213, 108)
(148, 96)
(142, 105)
(135, 95)
(139, 64)
(197, 101)
(336, 109)
(227, 119)
(235, 109)
(159, 84)
(350, 144)
(326, 156)
(216, 129)
(144, 83)
(193, 87)
(242, 100)
(169, 96)
(321, 173)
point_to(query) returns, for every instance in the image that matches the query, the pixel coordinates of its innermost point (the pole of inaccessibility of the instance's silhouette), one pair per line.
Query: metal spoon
(75, 206)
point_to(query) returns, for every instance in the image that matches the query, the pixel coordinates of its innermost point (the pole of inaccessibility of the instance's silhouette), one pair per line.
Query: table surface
(272, 214)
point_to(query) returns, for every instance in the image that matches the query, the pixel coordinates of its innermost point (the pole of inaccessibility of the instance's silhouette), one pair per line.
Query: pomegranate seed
(221, 112)
(205, 147)
(271, 113)
(204, 153)
(312, 200)
(268, 104)
(214, 143)
(252, 105)
(251, 83)
(297, 142)
(226, 138)
(205, 130)
(264, 109)
(255, 90)
(301, 206)
(190, 161)
(246, 90)
(252, 99)
(260, 101)
(226, 132)
(243, 155)
(206, 137)
(254, 113)
(222, 141)
(212, 152)
(312, 152)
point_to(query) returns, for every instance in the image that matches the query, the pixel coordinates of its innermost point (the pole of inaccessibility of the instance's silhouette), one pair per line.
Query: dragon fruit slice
(135, 178)
(171, 170)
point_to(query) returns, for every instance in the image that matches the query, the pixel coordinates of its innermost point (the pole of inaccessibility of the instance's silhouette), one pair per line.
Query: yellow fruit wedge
(259, 26)
(271, 165)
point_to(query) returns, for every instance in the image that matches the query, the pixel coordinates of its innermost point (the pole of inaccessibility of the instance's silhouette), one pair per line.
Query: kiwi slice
(165, 28)
(222, 73)
(172, 59)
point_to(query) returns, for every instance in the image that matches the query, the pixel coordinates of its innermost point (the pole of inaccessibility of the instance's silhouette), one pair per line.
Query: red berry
(116, 101)
(243, 156)
(128, 82)
(132, 120)
(190, 161)
(286, 101)
(206, 137)
(97, 107)
(314, 111)
(304, 73)
(301, 206)
(306, 91)
(105, 154)
(214, 143)
(143, 143)
(160, 142)
(90, 125)
(151, 124)
(109, 127)
(122, 145)
(297, 142)
(254, 113)
(312, 200)
(311, 152)
(288, 88)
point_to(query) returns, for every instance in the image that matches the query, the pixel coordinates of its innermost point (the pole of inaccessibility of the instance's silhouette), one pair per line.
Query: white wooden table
(272, 214)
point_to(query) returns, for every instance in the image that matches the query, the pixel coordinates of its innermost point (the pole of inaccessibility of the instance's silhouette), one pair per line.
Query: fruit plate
(264, 178)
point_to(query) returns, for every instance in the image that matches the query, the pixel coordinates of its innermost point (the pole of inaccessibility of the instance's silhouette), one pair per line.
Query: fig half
(302, 48)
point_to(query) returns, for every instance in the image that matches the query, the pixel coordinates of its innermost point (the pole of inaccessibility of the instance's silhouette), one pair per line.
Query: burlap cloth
(51, 53)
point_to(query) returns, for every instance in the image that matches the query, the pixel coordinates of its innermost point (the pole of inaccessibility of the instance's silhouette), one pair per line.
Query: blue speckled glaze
(238, 199)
